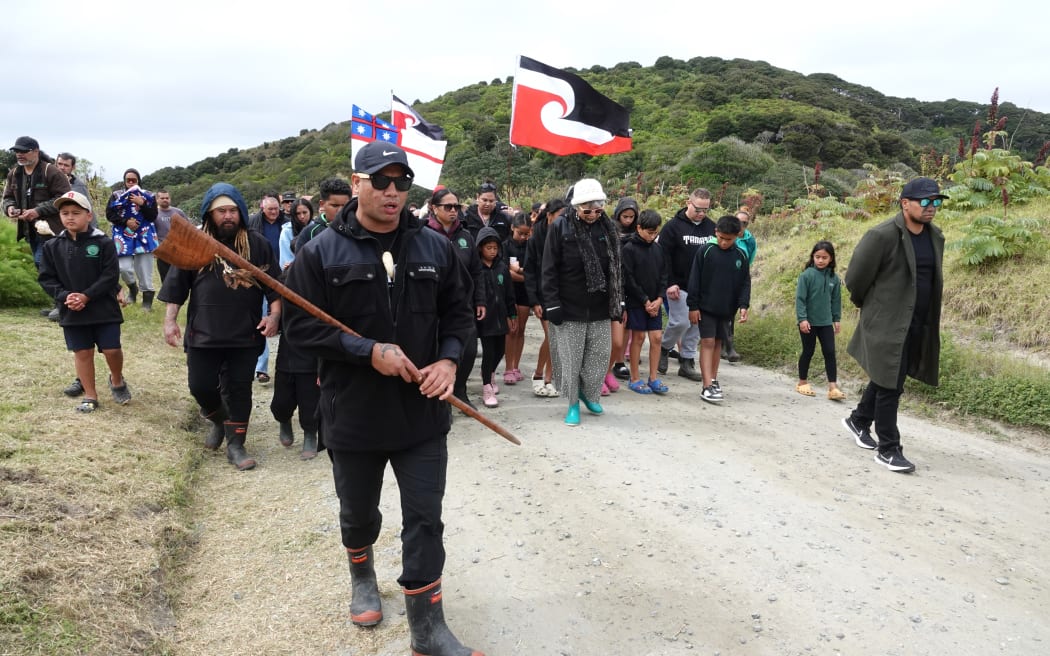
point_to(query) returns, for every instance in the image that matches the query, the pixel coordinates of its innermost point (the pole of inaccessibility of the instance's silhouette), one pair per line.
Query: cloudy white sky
(151, 84)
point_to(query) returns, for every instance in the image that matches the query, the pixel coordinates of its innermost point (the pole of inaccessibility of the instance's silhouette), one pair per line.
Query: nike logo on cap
(392, 152)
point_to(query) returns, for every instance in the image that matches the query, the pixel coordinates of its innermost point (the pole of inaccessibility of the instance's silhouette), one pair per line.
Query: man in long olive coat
(895, 278)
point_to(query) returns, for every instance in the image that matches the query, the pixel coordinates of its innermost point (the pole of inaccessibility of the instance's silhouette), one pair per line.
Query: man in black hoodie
(225, 329)
(680, 238)
(402, 289)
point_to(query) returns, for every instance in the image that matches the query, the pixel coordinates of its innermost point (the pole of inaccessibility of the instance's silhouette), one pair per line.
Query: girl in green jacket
(818, 310)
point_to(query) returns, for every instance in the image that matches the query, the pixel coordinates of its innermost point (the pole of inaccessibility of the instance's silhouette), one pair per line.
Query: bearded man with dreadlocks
(225, 329)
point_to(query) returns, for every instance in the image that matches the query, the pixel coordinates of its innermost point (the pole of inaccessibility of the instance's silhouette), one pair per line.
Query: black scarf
(592, 264)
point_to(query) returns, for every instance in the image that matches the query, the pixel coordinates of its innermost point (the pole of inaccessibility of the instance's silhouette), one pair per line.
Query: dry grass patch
(91, 506)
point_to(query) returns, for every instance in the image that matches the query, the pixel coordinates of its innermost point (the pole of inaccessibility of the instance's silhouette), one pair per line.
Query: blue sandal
(657, 386)
(639, 386)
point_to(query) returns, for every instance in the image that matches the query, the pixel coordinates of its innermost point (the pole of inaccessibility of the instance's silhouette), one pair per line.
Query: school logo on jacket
(499, 278)
(462, 242)
(739, 264)
(92, 250)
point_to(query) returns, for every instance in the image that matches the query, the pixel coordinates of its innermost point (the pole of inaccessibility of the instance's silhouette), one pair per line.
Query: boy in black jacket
(644, 282)
(719, 284)
(79, 270)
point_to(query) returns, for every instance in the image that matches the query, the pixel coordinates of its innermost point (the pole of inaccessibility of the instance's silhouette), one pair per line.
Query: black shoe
(46, 311)
(862, 436)
(53, 315)
(708, 394)
(75, 389)
(121, 394)
(621, 371)
(895, 461)
(661, 366)
(717, 388)
(466, 400)
(687, 369)
(673, 353)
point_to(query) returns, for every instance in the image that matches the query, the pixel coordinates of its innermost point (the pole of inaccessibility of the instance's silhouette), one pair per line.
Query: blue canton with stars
(369, 128)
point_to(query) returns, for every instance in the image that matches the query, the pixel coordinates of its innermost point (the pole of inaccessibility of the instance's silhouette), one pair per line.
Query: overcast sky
(151, 84)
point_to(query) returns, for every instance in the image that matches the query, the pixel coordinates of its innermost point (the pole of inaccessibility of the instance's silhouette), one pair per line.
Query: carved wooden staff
(186, 247)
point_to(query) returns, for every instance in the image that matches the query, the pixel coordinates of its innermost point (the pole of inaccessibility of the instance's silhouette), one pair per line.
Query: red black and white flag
(560, 113)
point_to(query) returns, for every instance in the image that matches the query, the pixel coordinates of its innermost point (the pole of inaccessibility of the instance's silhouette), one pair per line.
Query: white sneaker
(708, 394)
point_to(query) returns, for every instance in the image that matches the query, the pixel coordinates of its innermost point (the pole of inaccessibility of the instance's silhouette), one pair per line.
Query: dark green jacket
(818, 297)
(881, 282)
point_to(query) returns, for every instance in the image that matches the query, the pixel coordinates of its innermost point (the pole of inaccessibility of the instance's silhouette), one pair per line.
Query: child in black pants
(818, 310)
(500, 311)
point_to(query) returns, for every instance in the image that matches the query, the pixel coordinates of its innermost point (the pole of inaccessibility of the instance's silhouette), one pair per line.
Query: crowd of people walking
(419, 291)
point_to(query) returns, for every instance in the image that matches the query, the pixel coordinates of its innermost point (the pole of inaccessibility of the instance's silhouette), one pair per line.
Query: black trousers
(420, 471)
(223, 375)
(826, 335)
(466, 363)
(292, 390)
(879, 405)
(492, 350)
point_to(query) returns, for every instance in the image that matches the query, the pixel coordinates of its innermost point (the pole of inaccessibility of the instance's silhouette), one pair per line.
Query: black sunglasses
(487, 187)
(450, 207)
(381, 182)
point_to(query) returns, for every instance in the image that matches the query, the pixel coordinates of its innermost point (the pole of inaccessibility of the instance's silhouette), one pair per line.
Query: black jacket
(220, 316)
(463, 243)
(680, 238)
(511, 249)
(564, 283)
(87, 265)
(720, 282)
(534, 262)
(309, 231)
(644, 272)
(499, 221)
(426, 312)
(497, 292)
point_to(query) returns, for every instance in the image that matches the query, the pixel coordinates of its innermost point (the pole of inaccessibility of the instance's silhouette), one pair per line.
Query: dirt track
(666, 526)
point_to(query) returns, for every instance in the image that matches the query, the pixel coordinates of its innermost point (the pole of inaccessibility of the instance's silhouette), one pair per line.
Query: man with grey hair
(29, 194)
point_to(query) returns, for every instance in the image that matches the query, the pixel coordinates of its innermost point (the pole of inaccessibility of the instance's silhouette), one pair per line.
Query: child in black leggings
(500, 311)
(818, 310)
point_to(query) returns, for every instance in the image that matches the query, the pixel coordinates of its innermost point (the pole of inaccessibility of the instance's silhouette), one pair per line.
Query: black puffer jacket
(426, 312)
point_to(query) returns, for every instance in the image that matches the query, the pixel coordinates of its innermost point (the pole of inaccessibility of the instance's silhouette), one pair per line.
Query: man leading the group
(896, 279)
(402, 289)
(225, 329)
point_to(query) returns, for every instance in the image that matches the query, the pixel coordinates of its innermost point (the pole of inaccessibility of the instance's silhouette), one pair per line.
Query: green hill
(707, 121)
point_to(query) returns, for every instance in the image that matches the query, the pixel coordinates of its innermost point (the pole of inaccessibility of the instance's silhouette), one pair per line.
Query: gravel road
(666, 526)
